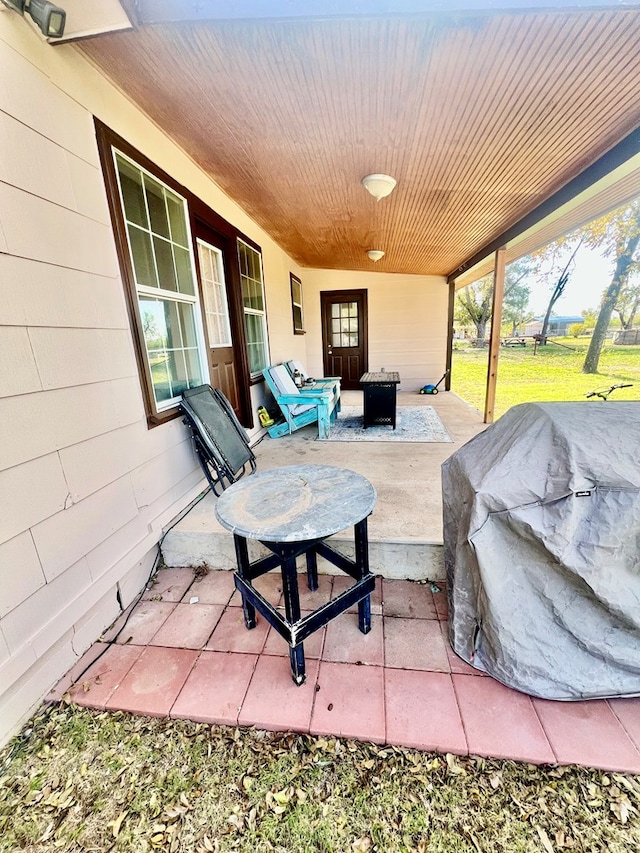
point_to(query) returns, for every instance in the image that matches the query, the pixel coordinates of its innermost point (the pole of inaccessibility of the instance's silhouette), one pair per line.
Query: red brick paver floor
(183, 651)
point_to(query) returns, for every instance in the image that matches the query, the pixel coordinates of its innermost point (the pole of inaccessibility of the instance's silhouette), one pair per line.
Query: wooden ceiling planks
(480, 118)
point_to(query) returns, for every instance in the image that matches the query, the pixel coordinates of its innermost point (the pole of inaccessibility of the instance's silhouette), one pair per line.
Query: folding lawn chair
(220, 442)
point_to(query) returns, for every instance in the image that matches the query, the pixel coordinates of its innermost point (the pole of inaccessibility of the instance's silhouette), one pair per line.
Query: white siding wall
(85, 487)
(407, 321)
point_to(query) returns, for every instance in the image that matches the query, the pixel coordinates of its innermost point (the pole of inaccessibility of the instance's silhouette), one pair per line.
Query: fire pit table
(291, 511)
(379, 398)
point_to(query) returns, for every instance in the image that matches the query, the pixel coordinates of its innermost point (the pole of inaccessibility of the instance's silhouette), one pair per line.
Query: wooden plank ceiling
(478, 117)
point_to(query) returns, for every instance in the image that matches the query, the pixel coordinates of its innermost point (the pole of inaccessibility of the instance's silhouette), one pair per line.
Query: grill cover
(542, 542)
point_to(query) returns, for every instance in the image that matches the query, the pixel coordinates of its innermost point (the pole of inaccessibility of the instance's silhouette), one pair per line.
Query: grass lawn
(77, 780)
(554, 373)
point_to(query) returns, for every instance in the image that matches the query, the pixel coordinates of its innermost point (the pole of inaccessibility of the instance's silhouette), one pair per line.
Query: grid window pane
(193, 375)
(164, 262)
(159, 363)
(132, 193)
(157, 207)
(184, 270)
(187, 325)
(255, 342)
(177, 220)
(153, 324)
(144, 268)
(172, 325)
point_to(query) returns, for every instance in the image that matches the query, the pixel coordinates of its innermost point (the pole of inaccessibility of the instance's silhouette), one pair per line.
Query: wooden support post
(450, 312)
(494, 342)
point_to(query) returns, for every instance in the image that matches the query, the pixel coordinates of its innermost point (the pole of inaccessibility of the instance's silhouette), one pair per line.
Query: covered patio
(182, 202)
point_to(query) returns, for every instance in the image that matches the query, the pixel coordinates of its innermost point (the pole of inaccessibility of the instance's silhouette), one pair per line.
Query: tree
(618, 234)
(575, 330)
(475, 302)
(475, 305)
(515, 310)
(558, 288)
(628, 304)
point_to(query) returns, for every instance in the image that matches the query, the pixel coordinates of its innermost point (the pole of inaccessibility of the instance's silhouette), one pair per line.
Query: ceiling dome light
(375, 254)
(379, 185)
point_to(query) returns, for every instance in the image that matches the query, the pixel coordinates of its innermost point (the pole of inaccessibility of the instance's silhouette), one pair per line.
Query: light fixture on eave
(50, 18)
(375, 255)
(380, 186)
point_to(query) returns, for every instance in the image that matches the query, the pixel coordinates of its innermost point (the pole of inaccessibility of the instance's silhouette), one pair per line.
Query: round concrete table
(291, 510)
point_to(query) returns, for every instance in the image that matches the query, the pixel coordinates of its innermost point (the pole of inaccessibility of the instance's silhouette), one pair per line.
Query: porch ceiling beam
(173, 11)
(614, 158)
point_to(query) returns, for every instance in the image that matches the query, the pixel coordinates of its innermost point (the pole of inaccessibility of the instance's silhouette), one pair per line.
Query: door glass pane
(344, 324)
(215, 295)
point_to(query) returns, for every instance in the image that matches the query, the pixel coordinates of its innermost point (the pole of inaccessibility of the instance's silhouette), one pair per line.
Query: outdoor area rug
(413, 423)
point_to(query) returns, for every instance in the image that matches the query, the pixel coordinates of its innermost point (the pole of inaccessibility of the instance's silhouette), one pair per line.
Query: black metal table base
(292, 627)
(379, 405)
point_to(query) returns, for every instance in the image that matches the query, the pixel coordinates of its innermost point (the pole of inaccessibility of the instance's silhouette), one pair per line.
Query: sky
(590, 275)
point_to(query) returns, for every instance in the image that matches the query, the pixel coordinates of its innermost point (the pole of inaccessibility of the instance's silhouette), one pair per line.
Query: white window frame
(295, 281)
(223, 294)
(253, 311)
(158, 292)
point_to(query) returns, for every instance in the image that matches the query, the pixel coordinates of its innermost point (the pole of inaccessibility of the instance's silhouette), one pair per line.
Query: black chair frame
(222, 447)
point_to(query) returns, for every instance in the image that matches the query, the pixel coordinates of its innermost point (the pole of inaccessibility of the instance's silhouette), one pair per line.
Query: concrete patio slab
(405, 529)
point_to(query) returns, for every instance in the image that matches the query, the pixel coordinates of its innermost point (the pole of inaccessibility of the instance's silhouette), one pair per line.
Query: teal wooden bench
(300, 406)
(326, 382)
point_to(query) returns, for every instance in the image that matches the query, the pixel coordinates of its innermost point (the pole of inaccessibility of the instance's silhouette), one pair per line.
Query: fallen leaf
(117, 824)
(621, 809)
(548, 846)
(282, 797)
